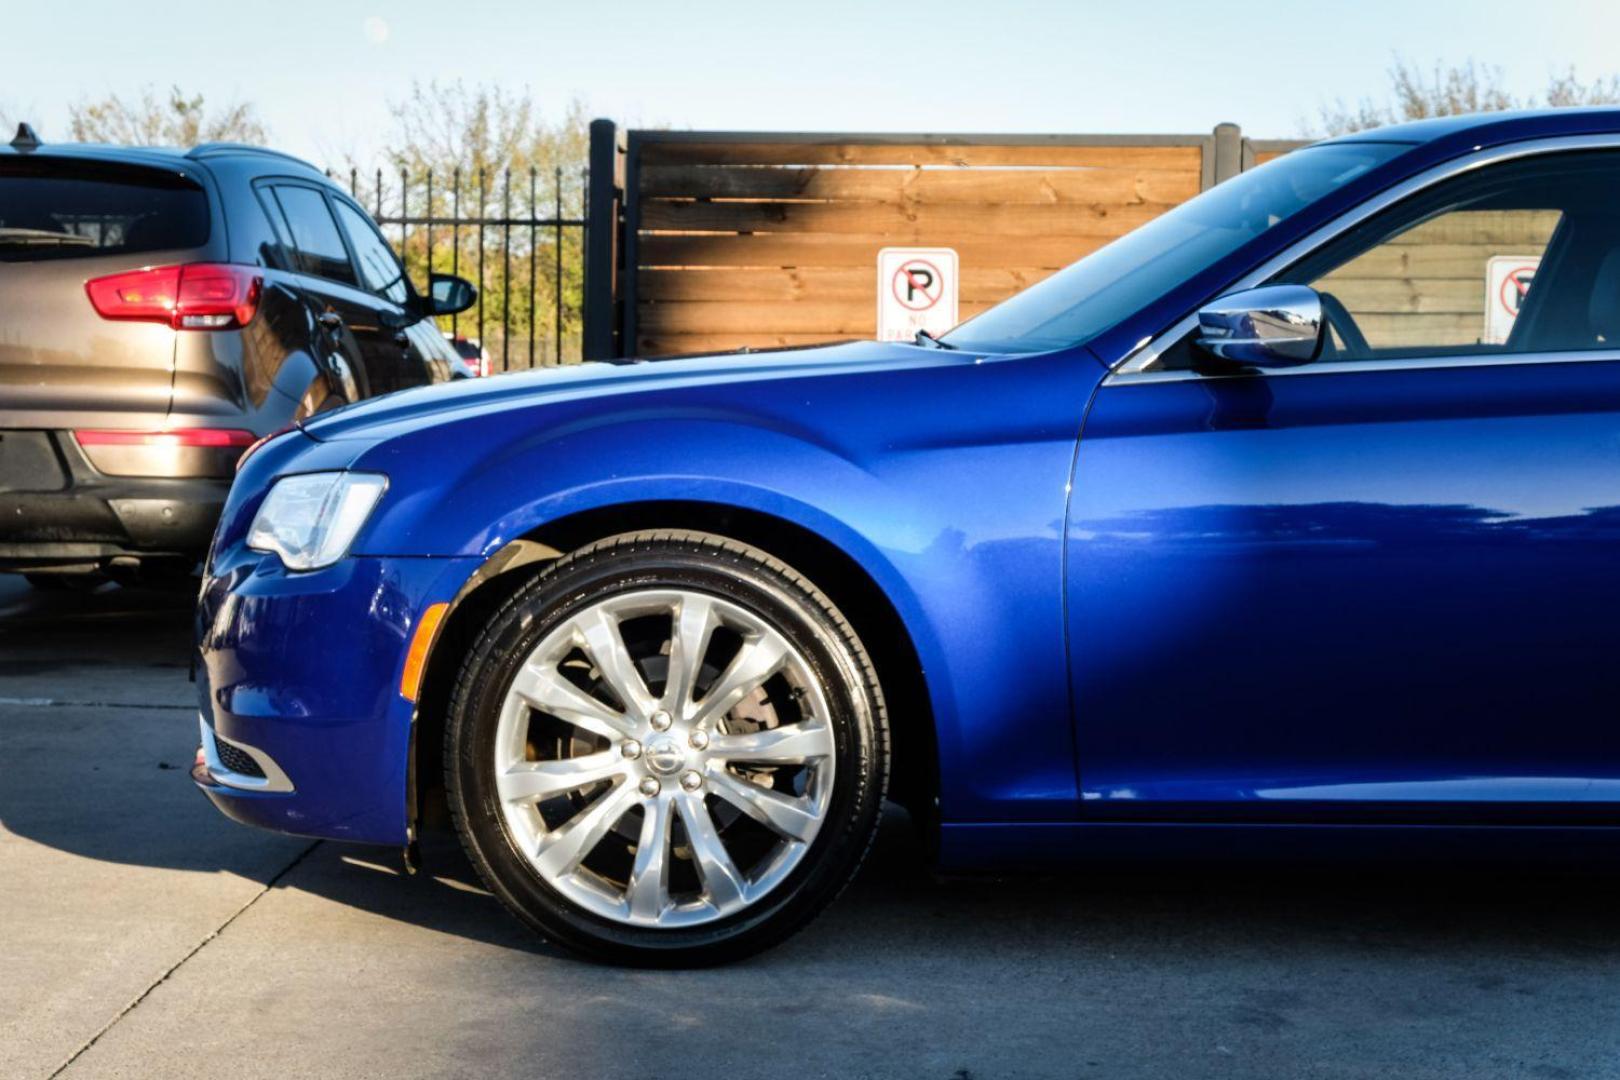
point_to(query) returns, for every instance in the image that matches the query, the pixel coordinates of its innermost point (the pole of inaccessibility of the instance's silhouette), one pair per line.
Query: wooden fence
(725, 240)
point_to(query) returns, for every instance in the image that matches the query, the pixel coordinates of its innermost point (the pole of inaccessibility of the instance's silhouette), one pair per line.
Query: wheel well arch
(914, 757)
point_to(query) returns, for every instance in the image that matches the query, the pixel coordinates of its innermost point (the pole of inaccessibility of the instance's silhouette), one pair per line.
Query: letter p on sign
(916, 291)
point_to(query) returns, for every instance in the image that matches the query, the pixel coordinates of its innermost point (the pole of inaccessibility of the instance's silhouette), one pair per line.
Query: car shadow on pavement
(114, 665)
(899, 906)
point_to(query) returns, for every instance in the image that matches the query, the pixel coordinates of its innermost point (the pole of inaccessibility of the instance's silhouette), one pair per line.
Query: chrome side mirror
(1272, 326)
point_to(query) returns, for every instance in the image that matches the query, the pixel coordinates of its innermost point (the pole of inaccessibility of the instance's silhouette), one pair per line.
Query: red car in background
(471, 351)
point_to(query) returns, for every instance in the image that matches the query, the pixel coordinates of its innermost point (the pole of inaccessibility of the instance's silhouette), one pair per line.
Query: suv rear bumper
(58, 513)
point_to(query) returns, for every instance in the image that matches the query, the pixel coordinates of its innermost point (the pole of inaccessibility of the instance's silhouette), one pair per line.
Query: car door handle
(330, 320)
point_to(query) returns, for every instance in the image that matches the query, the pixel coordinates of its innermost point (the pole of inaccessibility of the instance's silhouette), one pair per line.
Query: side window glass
(315, 238)
(1514, 258)
(1453, 284)
(272, 246)
(380, 271)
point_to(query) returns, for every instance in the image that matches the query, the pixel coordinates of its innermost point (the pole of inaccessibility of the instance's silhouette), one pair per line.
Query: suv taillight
(198, 296)
(198, 438)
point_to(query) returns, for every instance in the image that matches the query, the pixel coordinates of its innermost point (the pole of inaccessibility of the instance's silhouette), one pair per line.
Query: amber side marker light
(410, 681)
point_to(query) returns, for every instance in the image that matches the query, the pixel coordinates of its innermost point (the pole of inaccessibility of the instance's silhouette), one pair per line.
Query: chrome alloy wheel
(664, 758)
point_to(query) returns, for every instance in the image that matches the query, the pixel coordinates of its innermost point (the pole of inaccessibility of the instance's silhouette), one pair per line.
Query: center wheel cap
(664, 755)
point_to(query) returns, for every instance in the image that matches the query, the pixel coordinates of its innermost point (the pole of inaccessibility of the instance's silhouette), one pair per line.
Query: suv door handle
(330, 320)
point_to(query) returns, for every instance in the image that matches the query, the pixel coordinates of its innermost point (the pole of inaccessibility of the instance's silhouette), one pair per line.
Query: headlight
(311, 520)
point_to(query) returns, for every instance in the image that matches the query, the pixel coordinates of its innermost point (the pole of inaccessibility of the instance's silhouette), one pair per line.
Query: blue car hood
(382, 417)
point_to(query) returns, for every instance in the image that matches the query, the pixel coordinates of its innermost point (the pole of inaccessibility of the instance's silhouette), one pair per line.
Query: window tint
(50, 210)
(1455, 281)
(379, 270)
(1520, 257)
(315, 238)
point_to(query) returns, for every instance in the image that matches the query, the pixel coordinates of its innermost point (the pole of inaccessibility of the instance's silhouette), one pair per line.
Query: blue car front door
(1384, 582)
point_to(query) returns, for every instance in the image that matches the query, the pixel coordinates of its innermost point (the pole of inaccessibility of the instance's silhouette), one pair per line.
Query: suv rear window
(67, 210)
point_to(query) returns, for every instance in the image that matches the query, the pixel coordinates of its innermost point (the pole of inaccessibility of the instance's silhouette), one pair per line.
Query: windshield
(1076, 304)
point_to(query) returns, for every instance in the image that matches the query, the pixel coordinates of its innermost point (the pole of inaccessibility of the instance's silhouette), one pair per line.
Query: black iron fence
(517, 234)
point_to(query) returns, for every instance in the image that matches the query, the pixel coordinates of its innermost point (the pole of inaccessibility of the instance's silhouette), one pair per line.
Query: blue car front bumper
(298, 681)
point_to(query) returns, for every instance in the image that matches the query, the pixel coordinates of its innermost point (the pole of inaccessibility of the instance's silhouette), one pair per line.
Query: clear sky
(322, 71)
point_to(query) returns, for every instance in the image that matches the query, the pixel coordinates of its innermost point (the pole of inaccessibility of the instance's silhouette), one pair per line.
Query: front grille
(237, 760)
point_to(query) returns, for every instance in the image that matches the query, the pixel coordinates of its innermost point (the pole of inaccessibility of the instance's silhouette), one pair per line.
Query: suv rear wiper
(929, 341)
(21, 237)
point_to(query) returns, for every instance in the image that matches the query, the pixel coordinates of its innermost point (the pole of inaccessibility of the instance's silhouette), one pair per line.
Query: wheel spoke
(647, 891)
(692, 628)
(722, 881)
(790, 744)
(755, 662)
(529, 781)
(793, 818)
(564, 848)
(545, 689)
(605, 644)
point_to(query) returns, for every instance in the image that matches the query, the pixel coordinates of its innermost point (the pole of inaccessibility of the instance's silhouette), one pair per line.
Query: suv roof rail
(211, 149)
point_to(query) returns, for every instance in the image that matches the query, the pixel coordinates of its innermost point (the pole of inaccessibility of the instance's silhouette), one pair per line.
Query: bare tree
(1449, 91)
(1566, 90)
(177, 120)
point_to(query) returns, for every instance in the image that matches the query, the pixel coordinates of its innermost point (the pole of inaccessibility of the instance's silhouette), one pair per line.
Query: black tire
(767, 588)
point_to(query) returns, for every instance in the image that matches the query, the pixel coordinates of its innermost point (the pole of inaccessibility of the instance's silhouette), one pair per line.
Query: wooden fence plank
(688, 344)
(810, 249)
(907, 223)
(1387, 331)
(1426, 260)
(1041, 187)
(834, 317)
(816, 283)
(1496, 227)
(846, 152)
(1396, 295)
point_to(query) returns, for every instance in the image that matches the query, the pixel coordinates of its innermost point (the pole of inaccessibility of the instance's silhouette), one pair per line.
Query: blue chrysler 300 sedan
(1292, 515)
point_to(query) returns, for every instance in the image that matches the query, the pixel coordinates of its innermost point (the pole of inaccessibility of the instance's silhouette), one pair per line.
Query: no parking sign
(917, 290)
(1507, 283)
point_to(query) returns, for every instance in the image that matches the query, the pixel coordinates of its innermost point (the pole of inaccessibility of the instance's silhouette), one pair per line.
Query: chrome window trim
(1363, 367)
(1137, 365)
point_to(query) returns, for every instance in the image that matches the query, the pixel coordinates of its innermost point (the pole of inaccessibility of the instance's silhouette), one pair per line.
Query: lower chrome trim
(274, 780)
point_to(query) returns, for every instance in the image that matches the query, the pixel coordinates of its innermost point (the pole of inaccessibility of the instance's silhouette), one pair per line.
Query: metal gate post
(602, 245)
(1228, 151)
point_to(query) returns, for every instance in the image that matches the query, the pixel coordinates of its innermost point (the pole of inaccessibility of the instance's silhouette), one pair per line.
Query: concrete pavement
(141, 934)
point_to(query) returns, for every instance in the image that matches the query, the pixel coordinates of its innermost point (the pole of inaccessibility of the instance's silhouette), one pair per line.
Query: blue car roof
(1494, 127)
